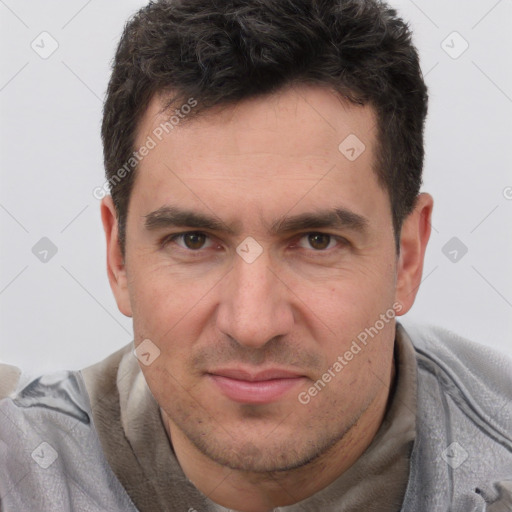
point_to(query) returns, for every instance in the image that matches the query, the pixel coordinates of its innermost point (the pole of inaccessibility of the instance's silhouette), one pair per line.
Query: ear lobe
(116, 268)
(414, 238)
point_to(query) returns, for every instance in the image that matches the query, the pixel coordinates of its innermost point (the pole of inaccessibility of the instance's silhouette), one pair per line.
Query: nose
(255, 304)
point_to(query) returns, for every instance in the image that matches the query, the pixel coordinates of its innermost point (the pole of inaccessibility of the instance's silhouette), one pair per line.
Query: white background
(61, 314)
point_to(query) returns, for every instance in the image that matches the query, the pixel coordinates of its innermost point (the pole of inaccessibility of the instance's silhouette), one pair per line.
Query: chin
(271, 452)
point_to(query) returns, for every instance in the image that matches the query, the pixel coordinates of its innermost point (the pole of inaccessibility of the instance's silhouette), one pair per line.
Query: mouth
(262, 387)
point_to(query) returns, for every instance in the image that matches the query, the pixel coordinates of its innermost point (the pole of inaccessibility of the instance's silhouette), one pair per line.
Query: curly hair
(220, 52)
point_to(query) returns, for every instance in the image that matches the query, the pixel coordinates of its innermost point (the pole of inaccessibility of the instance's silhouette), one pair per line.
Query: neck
(261, 492)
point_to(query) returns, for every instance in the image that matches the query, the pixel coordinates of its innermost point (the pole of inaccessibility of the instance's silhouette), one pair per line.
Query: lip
(261, 387)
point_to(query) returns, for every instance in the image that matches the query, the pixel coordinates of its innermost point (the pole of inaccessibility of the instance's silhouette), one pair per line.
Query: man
(264, 231)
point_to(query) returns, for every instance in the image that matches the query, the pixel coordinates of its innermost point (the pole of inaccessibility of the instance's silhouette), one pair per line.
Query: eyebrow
(171, 216)
(336, 218)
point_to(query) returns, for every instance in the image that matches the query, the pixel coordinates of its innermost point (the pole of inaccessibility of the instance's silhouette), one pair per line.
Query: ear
(115, 262)
(414, 238)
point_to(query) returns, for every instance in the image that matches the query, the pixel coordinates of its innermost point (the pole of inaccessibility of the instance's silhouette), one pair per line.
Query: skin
(298, 306)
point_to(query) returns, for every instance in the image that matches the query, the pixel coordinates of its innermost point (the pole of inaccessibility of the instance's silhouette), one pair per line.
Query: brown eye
(194, 241)
(319, 241)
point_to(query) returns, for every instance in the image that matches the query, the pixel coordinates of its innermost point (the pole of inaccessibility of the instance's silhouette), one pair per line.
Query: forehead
(301, 142)
(304, 120)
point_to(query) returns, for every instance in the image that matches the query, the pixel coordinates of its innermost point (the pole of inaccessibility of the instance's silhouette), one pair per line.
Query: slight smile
(255, 387)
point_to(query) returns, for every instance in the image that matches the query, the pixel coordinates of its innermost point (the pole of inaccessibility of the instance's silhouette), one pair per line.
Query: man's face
(246, 326)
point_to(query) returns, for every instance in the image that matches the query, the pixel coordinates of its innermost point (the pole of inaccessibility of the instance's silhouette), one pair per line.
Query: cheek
(175, 331)
(165, 300)
(359, 317)
(353, 302)
(169, 388)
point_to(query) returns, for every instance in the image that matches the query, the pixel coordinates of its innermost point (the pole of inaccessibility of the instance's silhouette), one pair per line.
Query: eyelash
(172, 238)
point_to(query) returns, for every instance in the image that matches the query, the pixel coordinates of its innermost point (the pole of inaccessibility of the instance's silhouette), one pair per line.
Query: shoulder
(48, 441)
(477, 369)
(462, 456)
